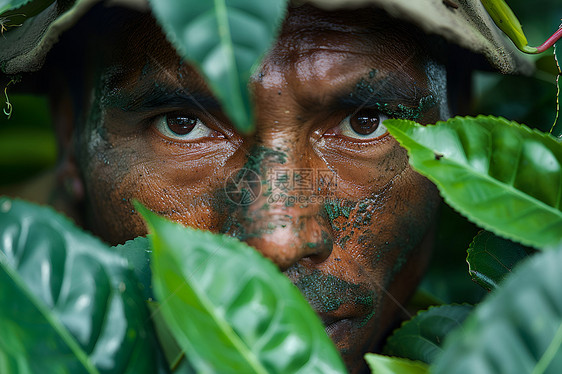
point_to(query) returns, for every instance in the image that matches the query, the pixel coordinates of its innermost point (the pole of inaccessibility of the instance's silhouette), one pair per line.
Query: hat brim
(462, 22)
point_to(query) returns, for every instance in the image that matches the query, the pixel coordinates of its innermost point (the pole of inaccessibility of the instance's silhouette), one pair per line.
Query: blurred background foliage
(27, 140)
(28, 146)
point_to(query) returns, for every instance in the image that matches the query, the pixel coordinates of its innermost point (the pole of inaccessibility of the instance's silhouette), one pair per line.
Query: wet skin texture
(356, 249)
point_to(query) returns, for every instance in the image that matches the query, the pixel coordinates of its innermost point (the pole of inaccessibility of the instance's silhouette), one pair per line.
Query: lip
(337, 328)
(331, 324)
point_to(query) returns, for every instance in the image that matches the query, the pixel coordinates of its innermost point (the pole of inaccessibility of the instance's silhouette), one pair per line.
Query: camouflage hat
(30, 31)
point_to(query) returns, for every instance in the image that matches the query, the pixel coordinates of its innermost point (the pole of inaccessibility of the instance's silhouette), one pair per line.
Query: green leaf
(421, 337)
(7, 5)
(232, 310)
(137, 252)
(516, 329)
(506, 20)
(71, 305)
(380, 364)
(170, 348)
(225, 39)
(490, 258)
(18, 11)
(501, 175)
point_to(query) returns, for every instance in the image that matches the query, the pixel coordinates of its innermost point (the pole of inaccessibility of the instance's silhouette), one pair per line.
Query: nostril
(322, 247)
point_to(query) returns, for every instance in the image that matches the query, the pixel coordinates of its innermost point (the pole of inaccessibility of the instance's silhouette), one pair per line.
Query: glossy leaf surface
(380, 364)
(69, 303)
(501, 175)
(225, 39)
(232, 310)
(516, 329)
(490, 258)
(421, 337)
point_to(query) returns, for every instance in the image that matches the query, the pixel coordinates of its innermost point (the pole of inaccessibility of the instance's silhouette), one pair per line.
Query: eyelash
(155, 121)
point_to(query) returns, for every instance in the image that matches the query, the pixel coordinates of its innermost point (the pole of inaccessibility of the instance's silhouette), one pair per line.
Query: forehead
(307, 39)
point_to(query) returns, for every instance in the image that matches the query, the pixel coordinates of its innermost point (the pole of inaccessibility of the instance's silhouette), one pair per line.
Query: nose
(289, 236)
(284, 224)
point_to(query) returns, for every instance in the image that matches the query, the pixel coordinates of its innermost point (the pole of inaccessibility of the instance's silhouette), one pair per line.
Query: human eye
(182, 127)
(365, 124)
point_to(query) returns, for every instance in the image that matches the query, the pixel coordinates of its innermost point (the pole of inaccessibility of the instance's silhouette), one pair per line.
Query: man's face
(320, 187)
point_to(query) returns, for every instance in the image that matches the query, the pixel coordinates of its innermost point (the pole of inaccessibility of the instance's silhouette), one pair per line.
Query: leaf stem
(550, 41)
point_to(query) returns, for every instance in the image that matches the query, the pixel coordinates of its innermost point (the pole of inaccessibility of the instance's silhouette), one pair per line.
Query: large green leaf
(68, 303)
(232, 310)
(501, 175)
(421, 337)
(490, 258)
(380, 364)
(516, 329)
(225, 39)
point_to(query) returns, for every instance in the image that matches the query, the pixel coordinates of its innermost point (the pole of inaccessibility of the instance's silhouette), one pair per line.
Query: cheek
(382, 230)
(385, 227)
(176, 182)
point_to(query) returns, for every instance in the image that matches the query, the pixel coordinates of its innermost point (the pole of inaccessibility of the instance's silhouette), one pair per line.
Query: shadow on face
(320, 187)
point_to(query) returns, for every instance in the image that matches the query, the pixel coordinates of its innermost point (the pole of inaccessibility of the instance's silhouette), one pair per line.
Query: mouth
(332, 324)
(338, 329)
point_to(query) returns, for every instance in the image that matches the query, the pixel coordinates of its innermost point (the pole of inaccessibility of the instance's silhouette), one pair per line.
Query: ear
(68, 194)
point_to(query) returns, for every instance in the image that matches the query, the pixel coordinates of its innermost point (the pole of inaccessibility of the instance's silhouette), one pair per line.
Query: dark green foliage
(27, 142)
(491, 258)
(421, 337)
(516, 329)
(447, 278)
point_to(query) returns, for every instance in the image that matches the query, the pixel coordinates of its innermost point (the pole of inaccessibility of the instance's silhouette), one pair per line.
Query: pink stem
(550, 41)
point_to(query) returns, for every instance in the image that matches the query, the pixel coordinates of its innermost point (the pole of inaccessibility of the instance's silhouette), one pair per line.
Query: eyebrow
(159, 96)
(391, 95)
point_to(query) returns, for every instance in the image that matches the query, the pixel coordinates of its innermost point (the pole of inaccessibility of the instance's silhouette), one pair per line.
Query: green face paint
(388, 96)
(326, 293)
(260, 156)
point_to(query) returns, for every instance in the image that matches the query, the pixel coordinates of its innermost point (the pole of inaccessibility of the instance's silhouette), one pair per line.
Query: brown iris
(181, 125)
(365, 121)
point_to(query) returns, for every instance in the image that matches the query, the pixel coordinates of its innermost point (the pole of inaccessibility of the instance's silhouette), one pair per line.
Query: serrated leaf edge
(149, 217)
(394, 132)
